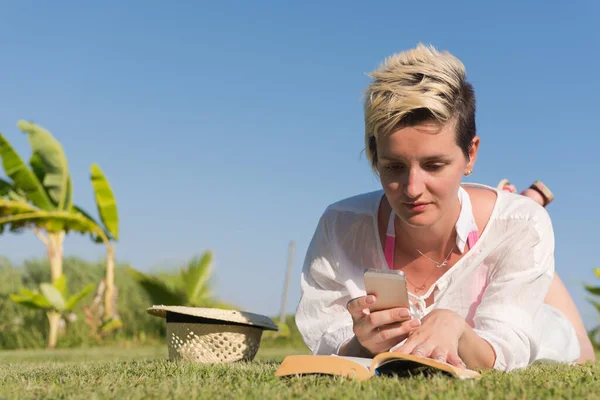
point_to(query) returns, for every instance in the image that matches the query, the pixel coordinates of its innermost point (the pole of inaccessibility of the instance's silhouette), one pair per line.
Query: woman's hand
(378, 331)
(438, 337)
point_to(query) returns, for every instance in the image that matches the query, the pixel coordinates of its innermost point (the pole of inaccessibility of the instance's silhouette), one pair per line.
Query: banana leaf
(49, 162)
(95, 238)
(105, 201)
(31, 299)
(61, 285)
(23, 177)
(11, 207)
(24, 301)
(13, 215)
(111, 325)
(77, 297)
(53, 295)
(11, 192)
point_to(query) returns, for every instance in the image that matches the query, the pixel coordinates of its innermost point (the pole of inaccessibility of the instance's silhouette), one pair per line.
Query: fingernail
(463, 365)
(370, 299)
(403, 314)
(441, 358)
(415, 322)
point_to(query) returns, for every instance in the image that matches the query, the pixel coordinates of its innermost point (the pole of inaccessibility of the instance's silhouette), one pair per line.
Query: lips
(416, 207)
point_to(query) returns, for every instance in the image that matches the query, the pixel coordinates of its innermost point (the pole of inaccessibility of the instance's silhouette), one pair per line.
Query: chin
(419, 220)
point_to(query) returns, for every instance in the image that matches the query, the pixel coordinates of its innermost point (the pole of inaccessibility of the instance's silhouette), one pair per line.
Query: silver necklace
(443, 263)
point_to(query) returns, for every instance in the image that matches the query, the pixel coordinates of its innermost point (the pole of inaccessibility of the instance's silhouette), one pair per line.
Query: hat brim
(217, 314)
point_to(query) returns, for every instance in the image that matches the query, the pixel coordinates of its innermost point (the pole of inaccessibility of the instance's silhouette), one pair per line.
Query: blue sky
(232, 125)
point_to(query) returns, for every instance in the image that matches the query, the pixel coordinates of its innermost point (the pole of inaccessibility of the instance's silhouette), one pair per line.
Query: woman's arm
(321, 314)
(475, 352)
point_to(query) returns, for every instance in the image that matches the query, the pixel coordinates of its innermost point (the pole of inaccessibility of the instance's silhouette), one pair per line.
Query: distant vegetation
(22, 327)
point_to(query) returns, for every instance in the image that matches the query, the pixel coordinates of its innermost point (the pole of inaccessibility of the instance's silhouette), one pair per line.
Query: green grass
(145, 373)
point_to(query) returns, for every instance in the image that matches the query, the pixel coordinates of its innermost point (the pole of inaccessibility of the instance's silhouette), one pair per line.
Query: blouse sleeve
(321, 316)
(509, 316)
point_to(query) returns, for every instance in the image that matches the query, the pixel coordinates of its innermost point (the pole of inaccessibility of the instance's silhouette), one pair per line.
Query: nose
(415, 185)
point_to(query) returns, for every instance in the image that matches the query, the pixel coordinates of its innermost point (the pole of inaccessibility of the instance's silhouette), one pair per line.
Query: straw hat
(212, 335)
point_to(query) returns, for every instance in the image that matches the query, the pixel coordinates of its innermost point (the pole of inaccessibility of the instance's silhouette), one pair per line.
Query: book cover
(384, 364)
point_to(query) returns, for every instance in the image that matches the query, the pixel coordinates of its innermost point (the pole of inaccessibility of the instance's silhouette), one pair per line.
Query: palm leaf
(22, 177)
(77, 297)
(105, 201)
(48, 159)
(158, 291)
(196, 277)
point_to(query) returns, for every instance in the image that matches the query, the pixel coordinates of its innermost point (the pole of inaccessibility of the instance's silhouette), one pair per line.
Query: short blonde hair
(412, 87)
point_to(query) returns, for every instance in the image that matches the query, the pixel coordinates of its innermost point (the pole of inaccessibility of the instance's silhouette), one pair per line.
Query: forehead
(419, 140)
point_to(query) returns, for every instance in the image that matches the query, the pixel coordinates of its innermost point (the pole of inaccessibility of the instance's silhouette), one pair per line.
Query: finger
(415, 338)
(392, 335)
(423, 349)
(439, 354)
(455, 360)
(387, 317)
(356, 306)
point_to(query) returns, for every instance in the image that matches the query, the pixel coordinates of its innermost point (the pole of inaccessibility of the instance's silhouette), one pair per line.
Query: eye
(434, 166)
(394, 167)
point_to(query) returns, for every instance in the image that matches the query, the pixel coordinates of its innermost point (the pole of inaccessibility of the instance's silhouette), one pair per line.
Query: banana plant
(38, 197)
(190, 287)
(53, 298)
(109, 216)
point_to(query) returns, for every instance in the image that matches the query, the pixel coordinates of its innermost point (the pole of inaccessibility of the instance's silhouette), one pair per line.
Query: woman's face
(421, 168)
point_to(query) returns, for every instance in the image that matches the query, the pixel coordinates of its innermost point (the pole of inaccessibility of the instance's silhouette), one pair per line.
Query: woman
(478, 261)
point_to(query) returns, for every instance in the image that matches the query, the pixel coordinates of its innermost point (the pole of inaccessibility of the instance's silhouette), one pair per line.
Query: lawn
(145, 373)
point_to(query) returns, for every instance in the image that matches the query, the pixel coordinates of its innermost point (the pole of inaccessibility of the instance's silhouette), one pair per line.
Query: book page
(365, 362)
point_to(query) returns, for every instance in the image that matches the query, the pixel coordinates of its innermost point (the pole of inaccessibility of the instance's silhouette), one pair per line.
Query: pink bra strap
(472, 238)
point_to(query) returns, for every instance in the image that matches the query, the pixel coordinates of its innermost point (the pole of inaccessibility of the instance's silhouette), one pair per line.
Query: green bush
(288, 336)
(21, 327)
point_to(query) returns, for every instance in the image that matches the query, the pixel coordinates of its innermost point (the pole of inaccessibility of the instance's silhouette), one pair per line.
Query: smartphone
(389, 288)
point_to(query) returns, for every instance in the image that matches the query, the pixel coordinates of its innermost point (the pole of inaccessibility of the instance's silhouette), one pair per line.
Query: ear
(473, 149)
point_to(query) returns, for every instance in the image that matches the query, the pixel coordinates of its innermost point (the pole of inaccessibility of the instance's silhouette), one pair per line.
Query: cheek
(445, 189)
(390, 183)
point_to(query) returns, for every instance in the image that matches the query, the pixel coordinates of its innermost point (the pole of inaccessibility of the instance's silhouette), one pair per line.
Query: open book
(386, 364)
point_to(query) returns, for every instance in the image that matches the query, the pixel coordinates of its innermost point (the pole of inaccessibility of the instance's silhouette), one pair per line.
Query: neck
(435, 240)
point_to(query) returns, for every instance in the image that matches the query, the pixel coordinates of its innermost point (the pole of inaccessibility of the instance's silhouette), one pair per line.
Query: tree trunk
(54, 321)
(110, 283)
(55, 254)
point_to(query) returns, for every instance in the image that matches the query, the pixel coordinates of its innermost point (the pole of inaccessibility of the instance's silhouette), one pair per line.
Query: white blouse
(498, 286)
